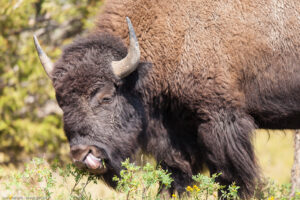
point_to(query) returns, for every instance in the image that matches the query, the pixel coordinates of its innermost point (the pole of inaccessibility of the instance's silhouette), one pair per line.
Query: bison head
(95, 82)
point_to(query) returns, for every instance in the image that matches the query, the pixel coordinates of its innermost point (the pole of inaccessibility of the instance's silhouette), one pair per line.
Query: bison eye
(103, 95)
(106, 100)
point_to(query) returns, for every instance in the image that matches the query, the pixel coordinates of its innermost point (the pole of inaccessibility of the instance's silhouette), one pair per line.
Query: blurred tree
(295, 176)
(30, 121)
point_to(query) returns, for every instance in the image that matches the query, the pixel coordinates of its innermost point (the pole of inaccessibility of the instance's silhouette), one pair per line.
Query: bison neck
(273, 96)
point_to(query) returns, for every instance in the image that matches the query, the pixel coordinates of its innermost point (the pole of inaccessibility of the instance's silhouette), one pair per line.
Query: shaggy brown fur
(220, 69)
(239, 45)
(241, 54)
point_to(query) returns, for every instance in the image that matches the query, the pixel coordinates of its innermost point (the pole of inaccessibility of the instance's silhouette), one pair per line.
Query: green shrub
(39, 179)
(145, 182)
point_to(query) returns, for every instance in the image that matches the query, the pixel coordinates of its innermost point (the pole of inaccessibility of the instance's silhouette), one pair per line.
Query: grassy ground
(274, 151)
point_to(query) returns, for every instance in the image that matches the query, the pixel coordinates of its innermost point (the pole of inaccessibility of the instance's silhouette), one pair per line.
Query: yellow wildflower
(271, 198)
(195, 187)
(189, 188)
(174, 195)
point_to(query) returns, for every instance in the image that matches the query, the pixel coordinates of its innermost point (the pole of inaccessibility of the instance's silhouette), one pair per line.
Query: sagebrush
(40, 179)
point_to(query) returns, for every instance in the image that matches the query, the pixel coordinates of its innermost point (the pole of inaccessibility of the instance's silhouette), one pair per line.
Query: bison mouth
(95, 165)
(90, 159)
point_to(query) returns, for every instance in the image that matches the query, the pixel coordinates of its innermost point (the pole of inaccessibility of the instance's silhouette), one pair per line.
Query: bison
(193, 84)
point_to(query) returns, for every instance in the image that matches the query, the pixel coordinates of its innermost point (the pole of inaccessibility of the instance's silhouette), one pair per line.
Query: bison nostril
(78, 147)
(79, 152)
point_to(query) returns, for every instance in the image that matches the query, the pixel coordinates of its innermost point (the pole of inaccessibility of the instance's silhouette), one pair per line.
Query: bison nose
(86, 156)
(79, 152)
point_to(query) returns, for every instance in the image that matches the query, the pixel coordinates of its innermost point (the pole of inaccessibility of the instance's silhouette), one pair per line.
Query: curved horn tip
(131, 31)
(37, 45)
(44, 59)
(130, 27)
(128, 64)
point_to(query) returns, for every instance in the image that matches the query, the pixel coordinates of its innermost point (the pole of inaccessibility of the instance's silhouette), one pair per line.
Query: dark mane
(85, 48)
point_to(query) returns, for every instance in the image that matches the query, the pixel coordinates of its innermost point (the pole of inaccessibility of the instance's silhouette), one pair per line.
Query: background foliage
(30, 119)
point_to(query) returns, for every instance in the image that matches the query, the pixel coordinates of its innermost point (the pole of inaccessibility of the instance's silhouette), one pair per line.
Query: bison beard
(204, 83)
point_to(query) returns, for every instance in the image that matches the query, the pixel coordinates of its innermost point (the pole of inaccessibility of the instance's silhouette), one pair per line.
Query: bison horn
(128, 64)
(45, 60)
